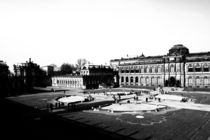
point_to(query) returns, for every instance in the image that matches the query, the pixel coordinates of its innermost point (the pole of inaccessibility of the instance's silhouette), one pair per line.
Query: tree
(67, 68)
(81, 63)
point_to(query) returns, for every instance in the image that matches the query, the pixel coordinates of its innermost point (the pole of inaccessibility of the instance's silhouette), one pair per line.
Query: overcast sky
(58, 31)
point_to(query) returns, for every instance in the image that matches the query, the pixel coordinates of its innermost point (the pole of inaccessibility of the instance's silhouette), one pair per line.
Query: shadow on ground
(23, 122)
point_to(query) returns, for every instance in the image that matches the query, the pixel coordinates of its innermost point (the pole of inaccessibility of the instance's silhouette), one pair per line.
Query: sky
(62, 31)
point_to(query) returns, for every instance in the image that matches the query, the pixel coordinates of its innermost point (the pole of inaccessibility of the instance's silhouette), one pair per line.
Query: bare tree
(81, 62)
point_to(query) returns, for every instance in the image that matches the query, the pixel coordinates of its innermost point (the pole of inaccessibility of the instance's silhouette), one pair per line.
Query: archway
(172, 82)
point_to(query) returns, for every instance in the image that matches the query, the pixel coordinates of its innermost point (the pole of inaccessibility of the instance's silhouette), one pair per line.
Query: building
(4, 77)
(29, 74)
(49, 70)
(178, 68)
(91, 76)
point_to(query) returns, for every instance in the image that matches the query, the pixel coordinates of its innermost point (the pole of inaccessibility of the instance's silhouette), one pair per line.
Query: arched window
(139, 70)
(208, 80)
(150, 69)
(131, 79)
(159, 69)
(197, 81)
(153, 81)
(162, 69)
(136, 79)
(126, 79)
(190, 81)
(122, 79)
(141, 80)
(172, 68)
(147, 81)
(156, 69)
(205, 81)
(145, 69)
(158, 80)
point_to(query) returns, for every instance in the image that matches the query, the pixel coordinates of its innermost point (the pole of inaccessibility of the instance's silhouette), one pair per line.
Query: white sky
(58, 31)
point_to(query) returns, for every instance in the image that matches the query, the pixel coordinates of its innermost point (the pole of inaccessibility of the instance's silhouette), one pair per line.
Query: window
(190, 82)
(136, 79)
(132, 71)
(206, 68)
(172, 68)
(122, 79)
(136, 71)
(197, 81)
(148, 81)
(156, 69)
(205, 81)
(162, 69)
(131, 79)
(141, 80)
(140, 70)
(150, 70)
(190, 69)
(145, 69)
(198, 68)
(159, 69)
(158, 80)
(126, 79)
(153, 81)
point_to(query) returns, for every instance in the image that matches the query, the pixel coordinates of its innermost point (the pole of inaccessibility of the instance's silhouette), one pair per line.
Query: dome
(179, 49)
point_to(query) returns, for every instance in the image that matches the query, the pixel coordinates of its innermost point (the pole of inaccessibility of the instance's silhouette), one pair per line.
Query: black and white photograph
(105, 69)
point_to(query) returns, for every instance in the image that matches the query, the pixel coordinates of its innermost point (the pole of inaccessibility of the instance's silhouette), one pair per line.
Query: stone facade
(178, 68)
(68, 81)
(90, 77)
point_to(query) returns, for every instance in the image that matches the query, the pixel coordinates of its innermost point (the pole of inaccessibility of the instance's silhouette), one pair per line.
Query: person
(159, 99)
(50, 107)
(137, 98)
(52, 90)
(146, 99)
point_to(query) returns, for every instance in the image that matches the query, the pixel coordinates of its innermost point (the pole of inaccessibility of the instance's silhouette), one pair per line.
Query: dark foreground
(22, 122)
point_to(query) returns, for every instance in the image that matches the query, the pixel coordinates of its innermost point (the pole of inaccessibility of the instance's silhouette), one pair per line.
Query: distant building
(4, 69)
(90, 77)
(30, 74)
(49, 70)
(4, 76)
(179, 68)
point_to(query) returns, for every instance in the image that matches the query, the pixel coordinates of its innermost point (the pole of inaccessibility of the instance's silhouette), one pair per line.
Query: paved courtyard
(182, 121)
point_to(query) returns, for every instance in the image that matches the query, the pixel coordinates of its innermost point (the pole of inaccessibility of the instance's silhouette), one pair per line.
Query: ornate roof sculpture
(179, 49)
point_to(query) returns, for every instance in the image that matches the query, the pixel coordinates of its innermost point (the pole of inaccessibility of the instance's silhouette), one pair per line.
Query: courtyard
(175, 123)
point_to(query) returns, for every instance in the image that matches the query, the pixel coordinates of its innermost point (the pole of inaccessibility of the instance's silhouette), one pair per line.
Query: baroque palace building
(179, 68)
